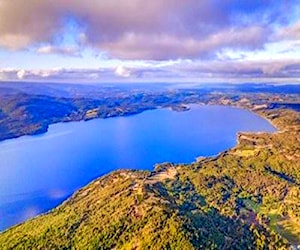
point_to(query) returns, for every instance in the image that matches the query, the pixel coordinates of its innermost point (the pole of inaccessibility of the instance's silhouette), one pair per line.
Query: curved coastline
(198, 157)
(231, 167)
(176, 108)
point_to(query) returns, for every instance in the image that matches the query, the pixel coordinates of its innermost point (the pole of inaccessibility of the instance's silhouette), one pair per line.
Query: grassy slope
(245, 198)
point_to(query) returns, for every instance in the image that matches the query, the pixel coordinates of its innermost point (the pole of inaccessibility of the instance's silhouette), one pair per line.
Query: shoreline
(45, 129)
(197, 159)
(201, 174)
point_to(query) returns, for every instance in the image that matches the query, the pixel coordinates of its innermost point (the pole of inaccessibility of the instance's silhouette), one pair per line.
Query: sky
(150, 41)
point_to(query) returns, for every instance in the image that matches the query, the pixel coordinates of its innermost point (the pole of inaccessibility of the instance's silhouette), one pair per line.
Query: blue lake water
(38, 172)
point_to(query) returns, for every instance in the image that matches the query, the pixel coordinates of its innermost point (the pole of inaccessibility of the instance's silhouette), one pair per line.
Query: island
(180, 108)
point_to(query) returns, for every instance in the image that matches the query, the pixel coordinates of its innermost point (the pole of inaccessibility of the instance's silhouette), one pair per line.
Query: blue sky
(136, 40)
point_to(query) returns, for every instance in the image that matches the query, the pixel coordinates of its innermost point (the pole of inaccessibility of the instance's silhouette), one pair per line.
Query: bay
(39, 172)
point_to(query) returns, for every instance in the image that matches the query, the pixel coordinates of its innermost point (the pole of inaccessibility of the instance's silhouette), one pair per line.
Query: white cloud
(181, 71)
(122, 71)
(291, 32)
(49, 49)
(21, 74)
(15, 41)
(2, 76)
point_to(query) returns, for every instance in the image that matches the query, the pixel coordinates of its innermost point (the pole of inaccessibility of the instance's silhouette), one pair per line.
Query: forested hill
(245, 198)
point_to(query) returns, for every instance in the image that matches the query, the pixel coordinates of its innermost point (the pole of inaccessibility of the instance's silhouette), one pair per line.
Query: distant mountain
(29, 108)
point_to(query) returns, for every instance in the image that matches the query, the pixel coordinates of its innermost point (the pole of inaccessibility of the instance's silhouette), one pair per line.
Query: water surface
(38, 172)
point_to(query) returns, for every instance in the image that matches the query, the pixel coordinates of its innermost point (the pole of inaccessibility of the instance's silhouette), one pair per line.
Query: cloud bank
(138, 29)
(181, 71)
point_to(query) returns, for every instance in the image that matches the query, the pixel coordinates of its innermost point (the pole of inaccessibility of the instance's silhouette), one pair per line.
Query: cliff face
(246, 198)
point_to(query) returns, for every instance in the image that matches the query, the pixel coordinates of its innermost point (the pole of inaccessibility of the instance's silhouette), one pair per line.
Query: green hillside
(245, 198)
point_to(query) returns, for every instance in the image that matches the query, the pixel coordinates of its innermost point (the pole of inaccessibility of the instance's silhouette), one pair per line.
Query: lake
(38, 172)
